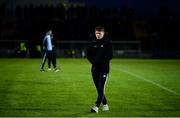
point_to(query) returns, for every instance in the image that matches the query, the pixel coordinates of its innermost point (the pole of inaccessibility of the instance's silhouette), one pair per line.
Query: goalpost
(127, 48)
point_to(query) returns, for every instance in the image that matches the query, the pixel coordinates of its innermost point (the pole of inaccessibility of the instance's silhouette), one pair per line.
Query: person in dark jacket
(99, 54)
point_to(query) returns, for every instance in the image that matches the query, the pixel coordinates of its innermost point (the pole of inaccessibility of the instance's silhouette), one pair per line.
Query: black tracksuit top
(99, 54)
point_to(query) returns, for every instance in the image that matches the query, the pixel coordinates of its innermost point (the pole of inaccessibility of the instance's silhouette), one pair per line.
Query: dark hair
(100, 28)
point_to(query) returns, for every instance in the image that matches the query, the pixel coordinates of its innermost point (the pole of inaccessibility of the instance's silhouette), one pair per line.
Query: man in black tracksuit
(99, 54)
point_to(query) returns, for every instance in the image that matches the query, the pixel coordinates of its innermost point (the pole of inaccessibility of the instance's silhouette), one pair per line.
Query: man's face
(50, 32)
(99, 34)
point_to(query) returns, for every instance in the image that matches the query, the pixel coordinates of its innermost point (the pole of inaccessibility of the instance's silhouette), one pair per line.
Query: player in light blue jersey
(48, 52)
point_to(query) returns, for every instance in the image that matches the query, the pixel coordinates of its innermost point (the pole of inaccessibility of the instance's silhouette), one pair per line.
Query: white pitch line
(149, 81)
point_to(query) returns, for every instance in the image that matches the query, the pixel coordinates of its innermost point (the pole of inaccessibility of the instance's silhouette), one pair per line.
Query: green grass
(135, 88)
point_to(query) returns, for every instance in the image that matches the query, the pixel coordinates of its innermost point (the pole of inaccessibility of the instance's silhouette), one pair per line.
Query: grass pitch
(135, 88)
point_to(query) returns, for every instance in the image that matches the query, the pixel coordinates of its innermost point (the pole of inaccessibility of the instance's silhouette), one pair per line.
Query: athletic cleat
(56, 70)
(105, 107)
(94, 109)
(49, 69)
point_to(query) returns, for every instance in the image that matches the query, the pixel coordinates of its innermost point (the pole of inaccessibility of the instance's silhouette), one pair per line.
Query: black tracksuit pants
(100, 83)
(51, 58)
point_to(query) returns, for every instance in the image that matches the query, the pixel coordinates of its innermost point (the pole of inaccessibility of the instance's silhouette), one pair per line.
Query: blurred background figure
(48, 52)
(22, 50)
